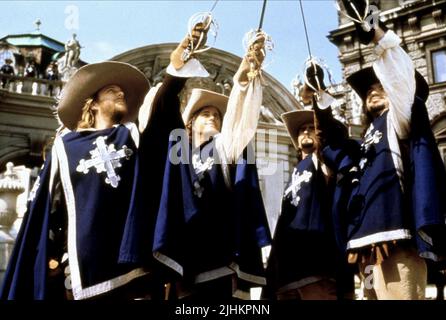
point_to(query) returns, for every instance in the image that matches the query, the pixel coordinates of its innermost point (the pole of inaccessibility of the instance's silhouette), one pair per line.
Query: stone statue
(297, 86)
(267, 116)
(72, 52)
(67, 63)
(10, 188)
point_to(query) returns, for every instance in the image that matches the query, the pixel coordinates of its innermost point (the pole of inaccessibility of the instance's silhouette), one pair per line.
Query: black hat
(362, 80)
(293, 120)
(314, 75)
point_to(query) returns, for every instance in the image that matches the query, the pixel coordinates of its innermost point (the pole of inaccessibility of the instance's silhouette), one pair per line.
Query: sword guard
(198, 27)
(185, 56)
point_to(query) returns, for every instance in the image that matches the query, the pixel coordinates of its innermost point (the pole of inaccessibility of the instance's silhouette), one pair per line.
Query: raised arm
(161, 107)
(393, 67)
(160, 113)
(339, 152)
(241, 118)
(395, 71)
(329, 130)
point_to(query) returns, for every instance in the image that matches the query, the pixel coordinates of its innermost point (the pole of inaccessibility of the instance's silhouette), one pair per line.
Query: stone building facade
(421, 25)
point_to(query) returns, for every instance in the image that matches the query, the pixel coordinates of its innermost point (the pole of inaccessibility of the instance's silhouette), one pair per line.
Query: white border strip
(53, 169)
(242, 295)
(300, 283)
(85, 293)
(431, 255)
(78, 291)
(395, 152)
(168, 262)
(227, 270)
(134, 133)
(247, 276)
(213, 274)
(425, 237)
(71, 209)
(398, 234)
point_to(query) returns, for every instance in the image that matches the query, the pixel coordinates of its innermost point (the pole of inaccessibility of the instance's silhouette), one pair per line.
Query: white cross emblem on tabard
(297, 180)
(105, 158)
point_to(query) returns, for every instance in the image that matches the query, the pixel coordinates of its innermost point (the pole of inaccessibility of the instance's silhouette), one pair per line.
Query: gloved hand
(255, 55)
(314, 75)
(357, 10)
(196, 40)
(367, 37)
(176, 55)
(314, 82)
(199, 35)
(256, 51)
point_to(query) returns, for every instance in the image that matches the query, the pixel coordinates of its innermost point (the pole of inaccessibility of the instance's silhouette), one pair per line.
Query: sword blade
(262, 15)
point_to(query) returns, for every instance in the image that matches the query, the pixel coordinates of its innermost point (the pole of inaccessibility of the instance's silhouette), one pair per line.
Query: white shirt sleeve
(145, 111)
(395, 71)
(242, 115)
(192, 68)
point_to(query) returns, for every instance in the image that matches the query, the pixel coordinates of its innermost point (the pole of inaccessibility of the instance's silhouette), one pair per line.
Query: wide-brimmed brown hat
(293, 120)
(362, 80)
(91, 78)
(201, 98)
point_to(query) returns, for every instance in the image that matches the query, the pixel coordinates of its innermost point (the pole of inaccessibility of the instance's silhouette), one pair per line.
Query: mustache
(376, 95)
(308, 144)
(120, 99)
(378, 106)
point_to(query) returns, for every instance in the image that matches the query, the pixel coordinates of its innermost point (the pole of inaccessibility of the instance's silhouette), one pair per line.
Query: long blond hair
(189, 126)
(88, 116)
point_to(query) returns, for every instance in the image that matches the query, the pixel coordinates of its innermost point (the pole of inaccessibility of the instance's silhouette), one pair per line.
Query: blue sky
(107, 28)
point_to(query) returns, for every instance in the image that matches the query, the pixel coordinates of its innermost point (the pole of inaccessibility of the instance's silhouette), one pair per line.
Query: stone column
(10, 188)
(275, 161)
(275, 157)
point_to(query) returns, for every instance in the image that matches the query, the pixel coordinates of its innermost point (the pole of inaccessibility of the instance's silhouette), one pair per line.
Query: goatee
(307, 144)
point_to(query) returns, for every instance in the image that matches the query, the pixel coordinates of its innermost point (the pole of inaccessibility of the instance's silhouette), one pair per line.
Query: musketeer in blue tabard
(70, 236)
(394, 207)
(212, 223)
(89, 229)
(304, 263)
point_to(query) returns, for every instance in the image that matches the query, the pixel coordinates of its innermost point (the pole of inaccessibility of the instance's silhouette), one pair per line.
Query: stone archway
(154, 59)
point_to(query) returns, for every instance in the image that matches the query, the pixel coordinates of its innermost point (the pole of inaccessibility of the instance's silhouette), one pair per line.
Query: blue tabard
(112, 191)
(428, 188)
(96, 228)
(370, 205)
(303, 248)
(371, 213)
(99, 236)
(206, 230)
